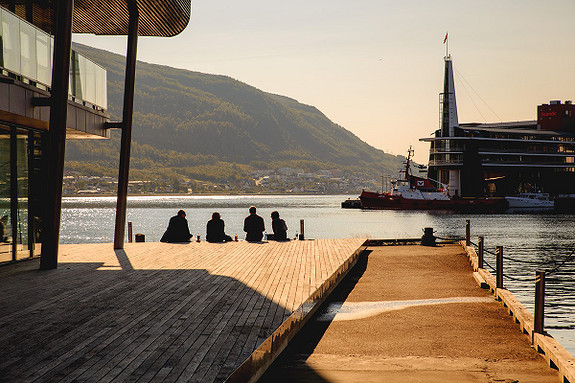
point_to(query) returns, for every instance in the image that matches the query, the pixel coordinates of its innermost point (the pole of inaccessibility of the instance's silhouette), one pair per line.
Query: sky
(376, 67)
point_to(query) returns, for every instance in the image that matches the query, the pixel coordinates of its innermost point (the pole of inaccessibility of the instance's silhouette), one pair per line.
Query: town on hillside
(282, 180)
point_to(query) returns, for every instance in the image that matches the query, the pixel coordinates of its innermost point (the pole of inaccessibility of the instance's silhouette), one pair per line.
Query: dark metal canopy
(109, 17)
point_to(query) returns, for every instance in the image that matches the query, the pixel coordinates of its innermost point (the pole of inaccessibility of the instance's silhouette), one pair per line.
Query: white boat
(540, 201)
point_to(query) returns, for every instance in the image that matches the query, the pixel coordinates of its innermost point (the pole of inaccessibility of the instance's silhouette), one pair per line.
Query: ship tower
(449, 124)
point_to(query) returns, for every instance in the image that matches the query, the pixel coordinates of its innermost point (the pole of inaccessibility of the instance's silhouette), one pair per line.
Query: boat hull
(378, 201)
(530, 203)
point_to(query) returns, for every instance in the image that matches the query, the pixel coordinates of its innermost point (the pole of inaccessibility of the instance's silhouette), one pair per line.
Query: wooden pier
(412, 314)
(202, 312)
(196, 312)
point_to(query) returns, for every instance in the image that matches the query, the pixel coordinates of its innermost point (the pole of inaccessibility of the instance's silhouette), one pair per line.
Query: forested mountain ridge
(190, 125)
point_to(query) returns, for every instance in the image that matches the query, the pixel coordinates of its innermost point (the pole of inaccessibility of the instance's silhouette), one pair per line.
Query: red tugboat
(417, 193)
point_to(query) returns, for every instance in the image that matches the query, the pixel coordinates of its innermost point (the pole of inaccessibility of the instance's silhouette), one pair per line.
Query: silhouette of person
(215, 230)
(178, 230)
(279, 227)
(254, 226)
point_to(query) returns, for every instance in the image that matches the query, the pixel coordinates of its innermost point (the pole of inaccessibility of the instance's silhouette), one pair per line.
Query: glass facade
(26, 56)
(20, 193)
(26, 52)
(5, 229)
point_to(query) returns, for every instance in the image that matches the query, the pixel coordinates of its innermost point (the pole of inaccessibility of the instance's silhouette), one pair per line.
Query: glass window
(101, 96)
(90, 89)
(11, 41)
(43, 54)
(5, 230)
(28, 50)
(22, 194)
(76, 76)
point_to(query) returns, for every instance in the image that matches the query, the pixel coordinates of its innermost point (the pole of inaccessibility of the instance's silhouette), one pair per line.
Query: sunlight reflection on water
(534, 237)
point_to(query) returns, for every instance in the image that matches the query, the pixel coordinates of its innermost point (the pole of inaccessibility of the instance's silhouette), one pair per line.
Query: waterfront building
(49, 93)
(504, 158)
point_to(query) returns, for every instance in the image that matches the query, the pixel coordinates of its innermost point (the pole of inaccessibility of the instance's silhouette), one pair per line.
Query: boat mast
(407, 164)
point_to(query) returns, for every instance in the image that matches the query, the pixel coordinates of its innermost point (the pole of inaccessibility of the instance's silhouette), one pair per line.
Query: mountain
(190, 125)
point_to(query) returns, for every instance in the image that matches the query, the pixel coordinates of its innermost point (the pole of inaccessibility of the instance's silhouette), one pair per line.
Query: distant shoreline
(205, 194)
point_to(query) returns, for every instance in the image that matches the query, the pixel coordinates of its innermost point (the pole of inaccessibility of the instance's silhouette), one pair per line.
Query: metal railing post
(480, 252)
(129, 232)
(467, 232)
(499, 267)
(539, 301)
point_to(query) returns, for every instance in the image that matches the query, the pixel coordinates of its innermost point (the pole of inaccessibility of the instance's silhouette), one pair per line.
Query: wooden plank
(155, 312)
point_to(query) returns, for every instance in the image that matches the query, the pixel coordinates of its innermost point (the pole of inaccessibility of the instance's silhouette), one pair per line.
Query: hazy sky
(376, 66)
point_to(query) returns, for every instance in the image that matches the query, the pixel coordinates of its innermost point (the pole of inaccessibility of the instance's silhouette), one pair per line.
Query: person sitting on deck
(215, 230)
(254, 226)
(178, 230)
(279, 227)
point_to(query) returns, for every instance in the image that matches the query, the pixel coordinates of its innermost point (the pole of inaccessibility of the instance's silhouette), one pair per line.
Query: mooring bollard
(140, 238)
(428, 238)
(539, 302)
(467, 232)
(301, 230)
(129, 232)
(499, 267)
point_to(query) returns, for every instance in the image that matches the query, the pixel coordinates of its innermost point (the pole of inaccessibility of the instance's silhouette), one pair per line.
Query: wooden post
(499, 267)
(480, 253)
(130, 232)
(539, 302)
(301, 229)
(467, 232)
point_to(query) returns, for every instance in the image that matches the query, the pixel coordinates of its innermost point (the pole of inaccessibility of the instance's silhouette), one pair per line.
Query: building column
(127, 115)
(14, 191)
(57, 135)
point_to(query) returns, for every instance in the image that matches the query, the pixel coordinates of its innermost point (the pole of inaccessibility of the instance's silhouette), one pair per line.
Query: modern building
(49, 93)
(505, 158)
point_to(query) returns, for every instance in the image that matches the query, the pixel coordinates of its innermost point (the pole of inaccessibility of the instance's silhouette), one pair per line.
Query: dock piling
(480, 252)
(499, 267)
(539, 301)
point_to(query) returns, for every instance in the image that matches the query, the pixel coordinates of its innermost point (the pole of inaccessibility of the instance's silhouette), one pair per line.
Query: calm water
(538, 239)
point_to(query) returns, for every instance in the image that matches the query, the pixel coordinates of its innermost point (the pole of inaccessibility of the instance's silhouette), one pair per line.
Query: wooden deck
(159, 312)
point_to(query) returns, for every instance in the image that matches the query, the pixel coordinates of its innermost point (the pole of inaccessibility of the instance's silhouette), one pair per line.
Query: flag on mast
(445, 39)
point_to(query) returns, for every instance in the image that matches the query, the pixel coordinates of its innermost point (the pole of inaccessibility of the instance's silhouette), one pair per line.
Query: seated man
(254, 226)
(215, 230)
(279, 227)
(178, 230)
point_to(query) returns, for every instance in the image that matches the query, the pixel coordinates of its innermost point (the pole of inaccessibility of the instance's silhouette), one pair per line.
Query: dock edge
(555, 355)
(258, 362)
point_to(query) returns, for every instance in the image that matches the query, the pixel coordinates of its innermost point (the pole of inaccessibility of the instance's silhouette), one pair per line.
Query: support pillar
(57, 135)
(129, 83)
(14, 192)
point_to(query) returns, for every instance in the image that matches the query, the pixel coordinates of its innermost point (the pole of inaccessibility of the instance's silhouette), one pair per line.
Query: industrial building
(504, 158)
